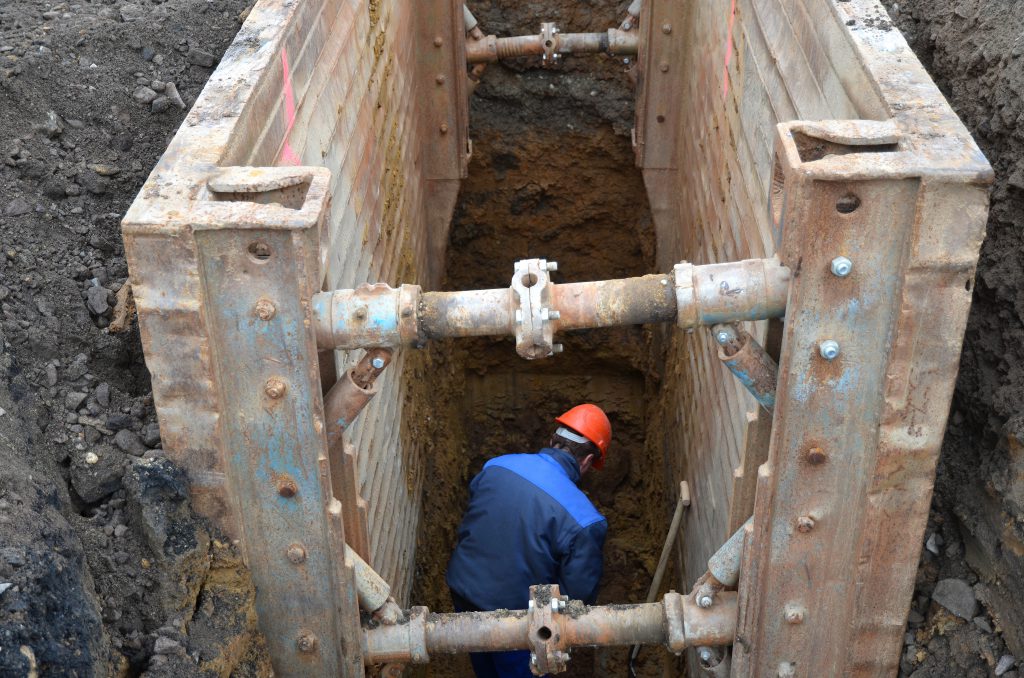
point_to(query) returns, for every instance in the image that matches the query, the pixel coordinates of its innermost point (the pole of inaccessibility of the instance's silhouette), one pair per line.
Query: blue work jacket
(527, 523)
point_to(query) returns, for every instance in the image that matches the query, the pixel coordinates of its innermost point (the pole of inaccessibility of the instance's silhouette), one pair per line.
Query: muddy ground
(103, 568)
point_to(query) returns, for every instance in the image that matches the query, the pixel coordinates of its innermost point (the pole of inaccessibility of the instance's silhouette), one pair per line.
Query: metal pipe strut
(551, 45)
(749, 362)
(533, 308)
(551, 627)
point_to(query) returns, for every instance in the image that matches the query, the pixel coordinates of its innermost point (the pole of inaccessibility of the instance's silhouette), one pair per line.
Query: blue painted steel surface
(276, 445)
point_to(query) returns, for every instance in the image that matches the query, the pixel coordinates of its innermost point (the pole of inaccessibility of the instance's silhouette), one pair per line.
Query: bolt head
(705, 654)
(378, 363)
(816, 456)
(705, 602)
(287, 488)
(533, 659)
(557, 348)
(805, 524)
(274, 388)
(663, 67)
(444, 128)
(306, 642)
(841, 267)
(829, 349)
(666, 28)
(794, 614)
(626, 26)
(722, 337)
(626, 61)
(552, 266)
(265, 309)
(438, 41)
(439, 79)
(296, 554)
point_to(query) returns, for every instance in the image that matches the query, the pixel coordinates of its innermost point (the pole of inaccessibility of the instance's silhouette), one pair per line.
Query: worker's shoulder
(538, 473)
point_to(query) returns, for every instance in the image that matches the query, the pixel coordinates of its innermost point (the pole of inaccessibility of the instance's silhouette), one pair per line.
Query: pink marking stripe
(728, 52)
(288, 156)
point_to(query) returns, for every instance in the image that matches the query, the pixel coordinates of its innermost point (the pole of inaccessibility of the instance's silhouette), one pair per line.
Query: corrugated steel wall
(786, 60)
(352, 84)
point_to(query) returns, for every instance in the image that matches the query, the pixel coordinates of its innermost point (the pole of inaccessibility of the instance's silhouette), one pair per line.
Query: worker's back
(527, 523)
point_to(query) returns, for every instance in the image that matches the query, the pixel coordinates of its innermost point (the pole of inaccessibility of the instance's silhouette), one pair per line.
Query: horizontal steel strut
(551, 627)
(551, 45)
(533, 308)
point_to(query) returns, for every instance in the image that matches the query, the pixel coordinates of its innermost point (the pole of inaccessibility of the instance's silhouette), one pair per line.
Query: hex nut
(287, 488)
(378, 363)
(805, 524)
(705, 602)
(841, 267)
(829, 349)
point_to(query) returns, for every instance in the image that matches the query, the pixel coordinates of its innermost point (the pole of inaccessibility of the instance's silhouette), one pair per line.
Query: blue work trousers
(511, 664)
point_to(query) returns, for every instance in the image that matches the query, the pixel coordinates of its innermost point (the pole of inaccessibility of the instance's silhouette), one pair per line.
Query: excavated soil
(104, 569)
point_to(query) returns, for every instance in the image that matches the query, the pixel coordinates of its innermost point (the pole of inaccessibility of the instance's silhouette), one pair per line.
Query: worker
(529, 523)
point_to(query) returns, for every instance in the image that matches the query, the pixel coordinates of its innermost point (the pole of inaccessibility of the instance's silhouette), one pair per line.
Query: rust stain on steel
(905, 199)
(491, 48)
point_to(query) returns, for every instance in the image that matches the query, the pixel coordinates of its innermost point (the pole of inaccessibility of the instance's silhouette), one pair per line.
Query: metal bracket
(534, 332)
(548, 654)
(549, 40)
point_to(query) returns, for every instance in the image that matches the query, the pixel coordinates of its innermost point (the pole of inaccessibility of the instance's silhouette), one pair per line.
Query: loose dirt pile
(104, 570)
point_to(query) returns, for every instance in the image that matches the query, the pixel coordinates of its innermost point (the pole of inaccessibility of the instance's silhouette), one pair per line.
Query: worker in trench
(529, 523)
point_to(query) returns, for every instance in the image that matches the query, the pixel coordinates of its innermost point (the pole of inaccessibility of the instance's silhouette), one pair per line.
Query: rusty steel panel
(843, 500)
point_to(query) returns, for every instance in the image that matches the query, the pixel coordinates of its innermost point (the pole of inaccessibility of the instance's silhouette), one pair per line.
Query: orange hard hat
(592, 423)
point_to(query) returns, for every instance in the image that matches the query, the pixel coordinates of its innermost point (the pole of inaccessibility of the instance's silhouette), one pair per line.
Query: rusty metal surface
(607, 303)
(844, 496)
(552, 626)
(551, 44)
(725, 564)
(466, 314)
(747, 360)
(371, 589)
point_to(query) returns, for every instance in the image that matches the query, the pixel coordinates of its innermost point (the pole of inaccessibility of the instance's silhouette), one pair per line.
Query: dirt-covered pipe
(611, 303)
(675, 622)
(492, 48)
(471, 313)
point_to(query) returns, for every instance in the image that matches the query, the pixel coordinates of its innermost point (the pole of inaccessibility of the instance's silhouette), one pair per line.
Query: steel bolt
(533, 659)
(794, 614)
(663, 67)
(265, 309)
(666, 28)
(627, 26)
(306, 642)
(438, 41)
(274, 388)
(829, 349)
(706, 655)
(841, 267)
(705, 601)
(722, 337)
(444, 128)
(296, 554)
(439, 80)
(287, 488)
(816, 456)
(552, 265)
(805, 524)
(378, 363)
(786, 670)
(561, 604)
(557, 348)
(626, 61)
